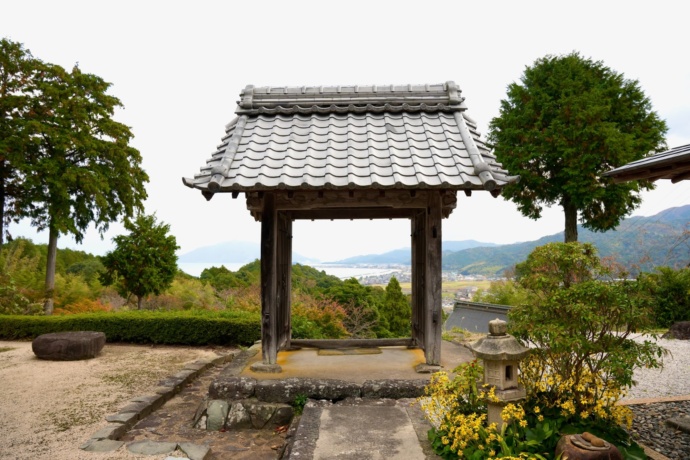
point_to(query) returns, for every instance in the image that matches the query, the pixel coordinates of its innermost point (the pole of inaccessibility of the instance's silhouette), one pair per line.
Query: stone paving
(161, 424)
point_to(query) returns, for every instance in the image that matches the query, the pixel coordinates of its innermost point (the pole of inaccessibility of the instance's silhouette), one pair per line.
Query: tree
(396, 310)
(568, 121)
(362, 307)
(671, 292)
(579, 318)
(144, 261)
(19, 74)
(84, 171)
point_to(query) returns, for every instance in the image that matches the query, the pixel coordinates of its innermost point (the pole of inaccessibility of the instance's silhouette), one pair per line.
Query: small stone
(195, 451)
(260, 414)
(110, 431)
(151, 447)
(101, 445)
(238, 417)
(127, 418)
(216, 414)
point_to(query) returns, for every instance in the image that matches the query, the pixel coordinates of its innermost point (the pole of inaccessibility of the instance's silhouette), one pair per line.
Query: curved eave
(202, 184)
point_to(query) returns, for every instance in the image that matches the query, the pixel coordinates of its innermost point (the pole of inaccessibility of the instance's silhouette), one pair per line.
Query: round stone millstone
(68, 346)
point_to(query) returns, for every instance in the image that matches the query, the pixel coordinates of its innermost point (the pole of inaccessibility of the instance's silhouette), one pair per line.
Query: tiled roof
(351, 137)
(672, 164)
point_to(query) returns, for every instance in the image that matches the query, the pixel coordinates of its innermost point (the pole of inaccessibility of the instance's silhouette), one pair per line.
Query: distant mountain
(638, 243)
(232, 252)
(403, 256)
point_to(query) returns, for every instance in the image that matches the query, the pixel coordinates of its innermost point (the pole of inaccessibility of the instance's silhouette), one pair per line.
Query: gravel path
(672, 380)
(49, 408)
(649, 425)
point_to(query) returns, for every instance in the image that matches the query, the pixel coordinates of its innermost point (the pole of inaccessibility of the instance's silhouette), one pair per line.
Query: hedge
(169, 328)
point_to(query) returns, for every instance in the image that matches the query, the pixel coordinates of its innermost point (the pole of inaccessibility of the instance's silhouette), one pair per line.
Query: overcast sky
(178, 68)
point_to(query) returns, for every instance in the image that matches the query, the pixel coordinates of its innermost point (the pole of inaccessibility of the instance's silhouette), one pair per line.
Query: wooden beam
(269, 301)
(432, 284)
(340, 204)
(331, 214)
(352, 343)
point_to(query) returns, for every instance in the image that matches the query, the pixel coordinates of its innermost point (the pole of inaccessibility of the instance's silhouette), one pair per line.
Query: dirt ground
(49, 408)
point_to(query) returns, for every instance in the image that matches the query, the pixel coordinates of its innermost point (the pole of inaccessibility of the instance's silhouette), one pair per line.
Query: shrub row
(169, 328)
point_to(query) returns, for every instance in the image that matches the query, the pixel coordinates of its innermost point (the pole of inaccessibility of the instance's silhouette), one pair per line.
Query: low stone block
(126, 418)
(238, 417)
(223, 359)
(154, 401)
(162, 390)
(151, 447)
(260, 413)
(197, 368)
(232, 388)
(282, 415)
(142, 408)
(110, 431)
(173, 383)
(68, 346)
(216, 413)
(394, 389)
(285, 391)
(103, 445)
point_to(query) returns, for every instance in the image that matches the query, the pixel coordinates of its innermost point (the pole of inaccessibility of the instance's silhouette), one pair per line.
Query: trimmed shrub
(168, 328)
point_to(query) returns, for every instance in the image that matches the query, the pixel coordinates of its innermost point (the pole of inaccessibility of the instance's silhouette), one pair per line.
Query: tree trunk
(140, 299)
(570, 211)
(50, 271)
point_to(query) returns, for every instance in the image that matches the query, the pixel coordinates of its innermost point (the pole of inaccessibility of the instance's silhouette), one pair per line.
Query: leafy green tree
(362, 306)
(144, 261)
(579, 317)
(396, 310)
(64, 162)
(569, 120)
(501, 292)
(19, 74)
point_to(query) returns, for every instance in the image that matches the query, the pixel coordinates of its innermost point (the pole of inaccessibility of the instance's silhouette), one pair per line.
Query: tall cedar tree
(397, 310)
(81, 168)
(568, 121)
(144, 261)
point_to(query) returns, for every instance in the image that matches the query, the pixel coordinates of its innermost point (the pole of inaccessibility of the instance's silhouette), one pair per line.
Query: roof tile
(276, 143)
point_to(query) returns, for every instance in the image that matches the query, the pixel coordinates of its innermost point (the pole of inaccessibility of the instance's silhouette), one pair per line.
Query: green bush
(670, 290)
(168, 328)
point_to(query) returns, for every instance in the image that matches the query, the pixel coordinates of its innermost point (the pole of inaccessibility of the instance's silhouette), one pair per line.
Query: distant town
(403, 274)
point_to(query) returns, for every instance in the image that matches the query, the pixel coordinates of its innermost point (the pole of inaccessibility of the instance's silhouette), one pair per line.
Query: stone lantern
(501, 354)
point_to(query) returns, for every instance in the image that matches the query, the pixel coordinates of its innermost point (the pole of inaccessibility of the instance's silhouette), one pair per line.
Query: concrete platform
(358, 428)
(391, 363)
(363, 430)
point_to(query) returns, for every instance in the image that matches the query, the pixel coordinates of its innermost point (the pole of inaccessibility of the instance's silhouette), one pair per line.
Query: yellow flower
(523, 423)
(540, 418)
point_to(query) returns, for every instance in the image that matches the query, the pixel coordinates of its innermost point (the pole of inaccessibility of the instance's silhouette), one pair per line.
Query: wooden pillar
(269, 297)
(418, 245)
(432, 285)
(284, 279)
